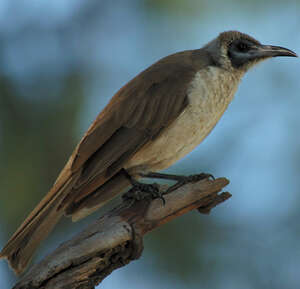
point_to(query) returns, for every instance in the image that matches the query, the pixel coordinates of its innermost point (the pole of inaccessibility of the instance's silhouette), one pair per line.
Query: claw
(199, 177)
(162, 199)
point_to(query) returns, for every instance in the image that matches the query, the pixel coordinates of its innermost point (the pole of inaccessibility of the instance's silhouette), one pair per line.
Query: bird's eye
(242, 47)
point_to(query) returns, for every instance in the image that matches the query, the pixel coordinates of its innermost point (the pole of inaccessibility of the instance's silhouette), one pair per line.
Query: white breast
(209, 94)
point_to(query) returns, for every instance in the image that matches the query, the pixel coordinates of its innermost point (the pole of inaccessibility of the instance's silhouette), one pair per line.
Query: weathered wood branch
(117, 238)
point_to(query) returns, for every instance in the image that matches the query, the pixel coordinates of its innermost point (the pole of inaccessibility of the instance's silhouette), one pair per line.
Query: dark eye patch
(238, 52)
(242, 46)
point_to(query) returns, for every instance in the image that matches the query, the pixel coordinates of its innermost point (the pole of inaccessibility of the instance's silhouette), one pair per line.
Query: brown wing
(137, 113)
(146, 104)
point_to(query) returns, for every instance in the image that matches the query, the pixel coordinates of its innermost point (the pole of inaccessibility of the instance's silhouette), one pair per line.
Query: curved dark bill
(273, 51)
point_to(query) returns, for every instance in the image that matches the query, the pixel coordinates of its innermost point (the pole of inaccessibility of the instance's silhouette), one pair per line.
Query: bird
(154, 120)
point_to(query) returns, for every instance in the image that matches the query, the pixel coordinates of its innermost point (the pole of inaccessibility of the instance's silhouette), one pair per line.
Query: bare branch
(117, 238)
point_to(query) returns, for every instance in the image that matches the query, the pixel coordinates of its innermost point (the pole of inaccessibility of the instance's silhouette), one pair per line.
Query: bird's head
(233, 50)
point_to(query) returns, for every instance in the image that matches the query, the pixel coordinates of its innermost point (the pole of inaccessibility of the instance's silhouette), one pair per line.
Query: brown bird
(150, 123)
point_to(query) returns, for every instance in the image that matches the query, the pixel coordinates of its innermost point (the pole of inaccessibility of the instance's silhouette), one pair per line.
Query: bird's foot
(141, 191)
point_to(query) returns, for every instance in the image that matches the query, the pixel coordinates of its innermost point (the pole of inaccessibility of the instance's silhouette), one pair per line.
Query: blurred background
(62, 60)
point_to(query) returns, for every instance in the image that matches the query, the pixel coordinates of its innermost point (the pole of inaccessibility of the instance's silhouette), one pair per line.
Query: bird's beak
(273, 51)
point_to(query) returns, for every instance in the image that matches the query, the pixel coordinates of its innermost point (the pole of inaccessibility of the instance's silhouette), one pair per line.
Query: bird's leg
(180, 180)
(140, 191)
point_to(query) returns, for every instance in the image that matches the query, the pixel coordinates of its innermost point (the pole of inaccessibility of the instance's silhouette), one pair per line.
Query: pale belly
(210, 93)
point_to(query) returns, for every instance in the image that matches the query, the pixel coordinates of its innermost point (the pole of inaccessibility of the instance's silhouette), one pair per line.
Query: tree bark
(117, 238)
